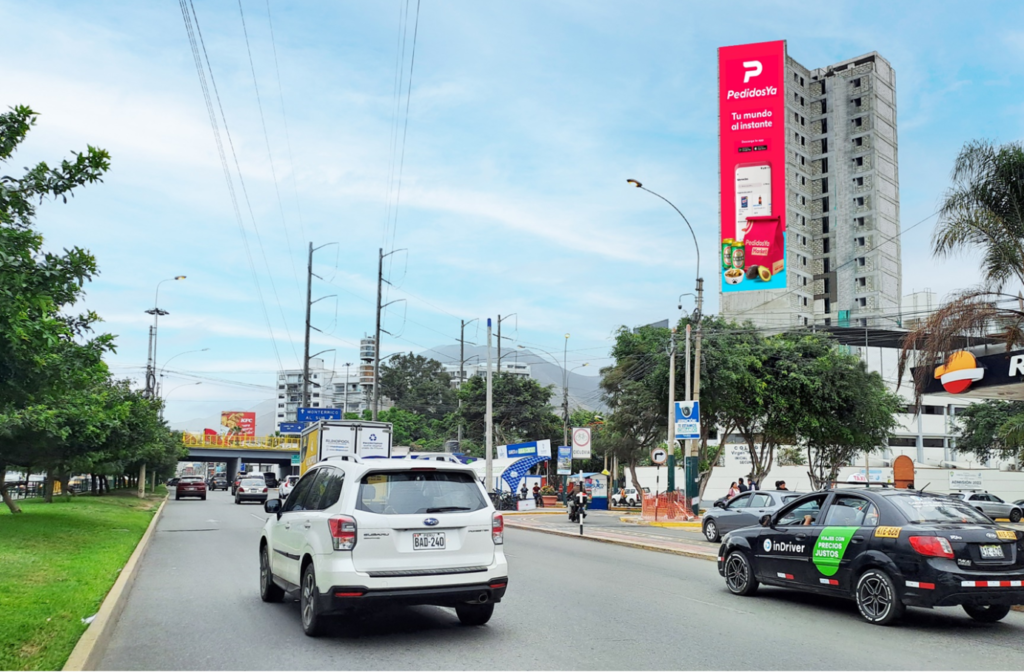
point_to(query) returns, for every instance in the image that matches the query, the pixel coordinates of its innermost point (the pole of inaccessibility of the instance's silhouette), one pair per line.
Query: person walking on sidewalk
(742, 486)
(536, 496)
(733, 490)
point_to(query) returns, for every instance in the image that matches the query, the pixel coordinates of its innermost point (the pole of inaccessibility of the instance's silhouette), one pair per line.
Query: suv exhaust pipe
(484, 598)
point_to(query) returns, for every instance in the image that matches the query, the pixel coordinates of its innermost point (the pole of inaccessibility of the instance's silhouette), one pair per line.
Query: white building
(480, 369)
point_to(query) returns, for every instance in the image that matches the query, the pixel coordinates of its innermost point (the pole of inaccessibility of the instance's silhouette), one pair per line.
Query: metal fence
(667, 507)
(240, 442)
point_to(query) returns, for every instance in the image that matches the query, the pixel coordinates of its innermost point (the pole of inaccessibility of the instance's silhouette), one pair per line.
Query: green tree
(989, 430)
(848, 411)
(418, 384)
(40, 344)
(982, 213)
(521, 409)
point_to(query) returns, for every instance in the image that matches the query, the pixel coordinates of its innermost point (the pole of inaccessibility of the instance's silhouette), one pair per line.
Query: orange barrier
(667, 506)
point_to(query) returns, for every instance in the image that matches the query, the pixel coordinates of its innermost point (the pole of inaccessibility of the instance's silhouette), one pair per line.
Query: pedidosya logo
(767, 545)
(959, 371)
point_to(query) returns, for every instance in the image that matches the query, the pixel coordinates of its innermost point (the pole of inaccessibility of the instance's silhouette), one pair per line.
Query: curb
(93, 643)
(535, 512)
(695, 525)
(618, 542)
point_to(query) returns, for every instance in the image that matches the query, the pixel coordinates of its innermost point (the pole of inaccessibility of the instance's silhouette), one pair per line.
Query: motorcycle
(575, 509)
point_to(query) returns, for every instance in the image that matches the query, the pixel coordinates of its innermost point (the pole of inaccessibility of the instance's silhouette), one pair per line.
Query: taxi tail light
(938, 547)
(343, 532)
(498, 529)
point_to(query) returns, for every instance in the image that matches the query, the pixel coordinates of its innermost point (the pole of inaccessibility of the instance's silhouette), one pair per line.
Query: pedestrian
(753, 484)
(742, 486)
(536, 496)
(733, 490)
(522, 492)
(780, 485)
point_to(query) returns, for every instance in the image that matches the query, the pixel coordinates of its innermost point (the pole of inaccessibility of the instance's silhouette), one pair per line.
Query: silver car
(991, 505)
(743, 510)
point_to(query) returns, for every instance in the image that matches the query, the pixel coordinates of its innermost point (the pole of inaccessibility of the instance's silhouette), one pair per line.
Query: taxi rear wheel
(877, 599)
(987, 613)
(711, 530)
(739, 575)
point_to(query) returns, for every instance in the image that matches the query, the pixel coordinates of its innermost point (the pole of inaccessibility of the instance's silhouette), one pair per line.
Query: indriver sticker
(831, 547)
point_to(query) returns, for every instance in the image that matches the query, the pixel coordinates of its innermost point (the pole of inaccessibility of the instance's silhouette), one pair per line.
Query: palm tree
(982, 212)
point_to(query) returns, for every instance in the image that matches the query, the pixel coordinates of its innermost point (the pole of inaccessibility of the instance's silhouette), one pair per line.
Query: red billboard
(239, 423)
(752, 164)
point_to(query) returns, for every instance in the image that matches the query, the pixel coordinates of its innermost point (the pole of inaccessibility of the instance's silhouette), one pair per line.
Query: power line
(223, 158)
(284, 117)
(266, 138)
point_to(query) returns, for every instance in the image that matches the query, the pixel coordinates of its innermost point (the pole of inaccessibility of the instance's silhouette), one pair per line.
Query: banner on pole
(564, 460)
(687, 419)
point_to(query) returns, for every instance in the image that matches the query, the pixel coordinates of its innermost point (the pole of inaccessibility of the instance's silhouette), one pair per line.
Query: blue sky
(525, 120)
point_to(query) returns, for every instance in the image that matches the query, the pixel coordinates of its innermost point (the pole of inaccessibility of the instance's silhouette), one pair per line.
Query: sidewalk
(691, 550)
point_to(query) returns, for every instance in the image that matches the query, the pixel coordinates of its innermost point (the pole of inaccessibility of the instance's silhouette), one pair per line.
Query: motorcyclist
(579, 505)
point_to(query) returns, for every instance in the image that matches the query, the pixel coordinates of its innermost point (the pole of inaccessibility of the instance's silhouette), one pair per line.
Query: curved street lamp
(156, 312)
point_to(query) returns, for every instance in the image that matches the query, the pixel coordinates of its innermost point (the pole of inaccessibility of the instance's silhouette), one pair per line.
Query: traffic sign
(290, 427)
(659, 456)
(687, 419)
(581, 443)
(315, 414)
(295, 459)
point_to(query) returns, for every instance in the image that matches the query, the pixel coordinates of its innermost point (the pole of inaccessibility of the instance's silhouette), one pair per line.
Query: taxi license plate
(992, 551)
(428, 541)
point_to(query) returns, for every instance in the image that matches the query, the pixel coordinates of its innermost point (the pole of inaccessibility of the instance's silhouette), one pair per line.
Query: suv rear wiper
(440, 509)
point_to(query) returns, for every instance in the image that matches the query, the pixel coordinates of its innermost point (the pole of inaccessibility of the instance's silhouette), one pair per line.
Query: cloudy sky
(501, 169)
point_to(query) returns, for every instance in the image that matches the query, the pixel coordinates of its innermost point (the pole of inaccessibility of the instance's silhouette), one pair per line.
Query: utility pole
(488, 417)
(565, 394)
(305, 352)
(499, 343)
(671, 435)
(376, 337)
(462, 367)
(309, 306)
(345, 403)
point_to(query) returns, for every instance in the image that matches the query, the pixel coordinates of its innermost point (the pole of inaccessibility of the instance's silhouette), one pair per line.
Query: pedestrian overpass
(237, 450)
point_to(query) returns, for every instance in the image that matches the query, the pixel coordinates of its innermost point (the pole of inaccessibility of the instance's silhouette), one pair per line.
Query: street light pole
(691, 456)
(155, 311)
(345, 403)
(488, 417)
(565, 395)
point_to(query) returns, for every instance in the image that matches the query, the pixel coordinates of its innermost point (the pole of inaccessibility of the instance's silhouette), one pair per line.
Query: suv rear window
(404, 492)
(925, 509)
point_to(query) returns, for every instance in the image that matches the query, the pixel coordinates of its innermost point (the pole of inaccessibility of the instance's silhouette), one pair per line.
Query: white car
(629, 497)
(286, 487)
(356, 533)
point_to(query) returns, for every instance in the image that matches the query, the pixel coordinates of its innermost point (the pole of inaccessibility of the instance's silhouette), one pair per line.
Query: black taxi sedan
(886, 549)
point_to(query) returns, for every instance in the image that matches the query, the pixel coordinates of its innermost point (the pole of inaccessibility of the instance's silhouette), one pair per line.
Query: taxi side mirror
(766, 520)
(272, 506)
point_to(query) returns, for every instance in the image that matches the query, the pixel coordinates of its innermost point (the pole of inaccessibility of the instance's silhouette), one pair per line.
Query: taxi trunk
(978, 548)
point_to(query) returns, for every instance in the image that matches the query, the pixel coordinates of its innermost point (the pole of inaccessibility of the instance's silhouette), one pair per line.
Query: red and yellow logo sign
(960, 370)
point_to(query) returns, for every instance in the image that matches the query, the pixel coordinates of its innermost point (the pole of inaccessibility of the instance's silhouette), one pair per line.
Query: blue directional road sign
(290, 427)
(316, 414)
(687, 419)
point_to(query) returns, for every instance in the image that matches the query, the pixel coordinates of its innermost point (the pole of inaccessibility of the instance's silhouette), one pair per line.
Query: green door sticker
(830, 548)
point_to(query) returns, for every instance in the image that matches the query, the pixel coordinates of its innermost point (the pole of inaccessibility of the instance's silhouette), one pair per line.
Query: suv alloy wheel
(312, 622)
(269, 591)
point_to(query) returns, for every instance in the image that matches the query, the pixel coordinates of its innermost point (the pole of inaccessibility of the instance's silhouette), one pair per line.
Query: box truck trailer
(320, 440)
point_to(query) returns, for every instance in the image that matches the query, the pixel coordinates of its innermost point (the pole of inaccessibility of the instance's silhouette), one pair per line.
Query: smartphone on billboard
(753, 195)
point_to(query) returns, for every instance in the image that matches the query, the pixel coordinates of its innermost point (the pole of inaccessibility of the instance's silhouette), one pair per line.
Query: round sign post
(658, 456)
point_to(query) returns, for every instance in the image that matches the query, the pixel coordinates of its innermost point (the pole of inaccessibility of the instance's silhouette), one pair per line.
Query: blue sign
(315, 414)
(687, 419)
(290, 427)
(517, 470)
(528, 449)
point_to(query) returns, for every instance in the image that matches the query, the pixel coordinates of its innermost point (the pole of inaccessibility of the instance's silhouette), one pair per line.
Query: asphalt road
(571, 604)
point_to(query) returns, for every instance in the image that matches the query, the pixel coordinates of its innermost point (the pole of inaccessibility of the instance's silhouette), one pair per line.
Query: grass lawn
(59, 561)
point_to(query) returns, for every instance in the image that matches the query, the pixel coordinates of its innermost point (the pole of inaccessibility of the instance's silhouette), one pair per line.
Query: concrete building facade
(842, 211)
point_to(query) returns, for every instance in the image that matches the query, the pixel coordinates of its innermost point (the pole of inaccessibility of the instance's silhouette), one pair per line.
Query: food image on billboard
(239, 423)
(752, 160)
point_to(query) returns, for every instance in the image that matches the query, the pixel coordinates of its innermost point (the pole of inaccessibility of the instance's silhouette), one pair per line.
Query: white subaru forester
(356, 532)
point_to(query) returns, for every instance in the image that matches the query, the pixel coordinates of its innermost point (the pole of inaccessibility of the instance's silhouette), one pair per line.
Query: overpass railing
(240, 442)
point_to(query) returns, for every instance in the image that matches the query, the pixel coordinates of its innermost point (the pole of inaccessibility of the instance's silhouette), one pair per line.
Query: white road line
(259, 517)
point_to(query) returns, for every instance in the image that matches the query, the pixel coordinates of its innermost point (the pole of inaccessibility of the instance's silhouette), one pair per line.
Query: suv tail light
(343, 532)
(264, 489)
(938, 547)
(498, 528)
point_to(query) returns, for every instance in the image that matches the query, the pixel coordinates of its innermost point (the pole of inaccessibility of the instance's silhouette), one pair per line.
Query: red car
(191, 486)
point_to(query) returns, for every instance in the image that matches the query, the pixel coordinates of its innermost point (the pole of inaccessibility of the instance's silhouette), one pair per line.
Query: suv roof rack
(345, 458)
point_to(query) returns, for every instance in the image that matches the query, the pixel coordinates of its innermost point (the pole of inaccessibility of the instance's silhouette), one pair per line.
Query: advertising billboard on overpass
(239, 423)
(752, 160)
